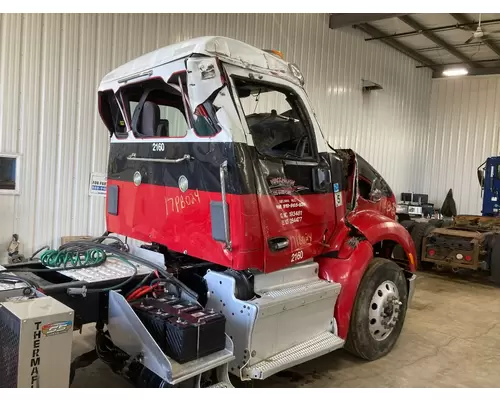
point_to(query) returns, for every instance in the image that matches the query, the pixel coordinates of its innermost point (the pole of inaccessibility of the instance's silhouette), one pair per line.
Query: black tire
(408, 225)
(438, 223)
(494, 258)
(421, 230)
(360, 341)
(447, 223)
(403, 217)
(398, 252)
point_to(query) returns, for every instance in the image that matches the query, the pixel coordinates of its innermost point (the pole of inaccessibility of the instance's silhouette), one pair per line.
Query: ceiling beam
(440, 42)
(436, 29)
(457, 46)
(372, 31)
(462, 19)
(349, 19)
(459, 64)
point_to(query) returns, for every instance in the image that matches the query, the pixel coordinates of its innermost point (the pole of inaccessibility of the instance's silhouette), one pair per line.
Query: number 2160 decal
(297, 256)
(158, 146)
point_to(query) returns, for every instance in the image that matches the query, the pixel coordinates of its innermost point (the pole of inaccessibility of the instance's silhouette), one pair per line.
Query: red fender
(352, 259)
(377, 227)
(348, 272)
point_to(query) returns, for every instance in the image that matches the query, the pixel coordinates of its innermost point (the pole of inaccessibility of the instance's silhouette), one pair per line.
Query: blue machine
(489, 178)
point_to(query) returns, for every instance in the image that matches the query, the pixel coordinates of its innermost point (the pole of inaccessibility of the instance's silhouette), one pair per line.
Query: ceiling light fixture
(455, 72)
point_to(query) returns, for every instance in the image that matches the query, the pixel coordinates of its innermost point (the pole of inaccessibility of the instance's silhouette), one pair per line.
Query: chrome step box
(292, 306)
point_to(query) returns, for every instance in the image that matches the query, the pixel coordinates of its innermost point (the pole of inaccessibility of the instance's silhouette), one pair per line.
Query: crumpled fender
(376, 227)
(354, 255)
(348, 272)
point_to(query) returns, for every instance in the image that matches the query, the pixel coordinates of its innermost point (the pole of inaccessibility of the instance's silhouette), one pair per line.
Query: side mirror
(321, 179)
(375, 192)
(480, 177)
(375, 195)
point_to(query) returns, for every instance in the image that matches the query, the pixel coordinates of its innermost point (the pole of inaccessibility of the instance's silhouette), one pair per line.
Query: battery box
(184, 331)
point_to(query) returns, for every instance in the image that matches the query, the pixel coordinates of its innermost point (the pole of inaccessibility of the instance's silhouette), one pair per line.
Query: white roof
(228, 50)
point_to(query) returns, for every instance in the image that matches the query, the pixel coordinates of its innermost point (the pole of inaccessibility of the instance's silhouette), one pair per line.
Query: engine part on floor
(183, 330)
(36, 337)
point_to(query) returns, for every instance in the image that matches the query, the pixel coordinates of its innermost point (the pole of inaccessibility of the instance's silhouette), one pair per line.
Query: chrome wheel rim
(384, 310)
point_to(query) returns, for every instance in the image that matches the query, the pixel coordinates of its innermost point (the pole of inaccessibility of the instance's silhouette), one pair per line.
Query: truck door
(293, 181)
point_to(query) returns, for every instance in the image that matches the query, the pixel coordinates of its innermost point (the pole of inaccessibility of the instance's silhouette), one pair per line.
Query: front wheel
(379, 310)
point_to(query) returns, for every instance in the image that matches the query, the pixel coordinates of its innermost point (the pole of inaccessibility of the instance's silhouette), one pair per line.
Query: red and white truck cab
(218, 161)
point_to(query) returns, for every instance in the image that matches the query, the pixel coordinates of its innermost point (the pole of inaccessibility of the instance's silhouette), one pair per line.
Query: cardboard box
(66, 239)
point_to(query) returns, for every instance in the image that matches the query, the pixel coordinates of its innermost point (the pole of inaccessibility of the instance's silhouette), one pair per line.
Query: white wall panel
(464, 130)
(51, 65)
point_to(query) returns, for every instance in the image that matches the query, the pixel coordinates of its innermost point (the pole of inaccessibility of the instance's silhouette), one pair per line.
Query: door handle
(279, 243)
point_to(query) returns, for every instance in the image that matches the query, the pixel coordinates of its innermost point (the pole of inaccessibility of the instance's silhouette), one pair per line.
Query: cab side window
(279, 125)
(157, 109)
(157, 112)
(159, 120)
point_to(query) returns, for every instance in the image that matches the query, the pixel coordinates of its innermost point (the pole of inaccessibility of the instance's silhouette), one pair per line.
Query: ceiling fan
(479, 34)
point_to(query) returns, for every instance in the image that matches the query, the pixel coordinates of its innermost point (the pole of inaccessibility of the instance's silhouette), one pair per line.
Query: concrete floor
(451, 338)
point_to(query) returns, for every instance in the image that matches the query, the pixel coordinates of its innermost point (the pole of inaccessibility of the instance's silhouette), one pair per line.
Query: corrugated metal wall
(464, 130)
(51, 65)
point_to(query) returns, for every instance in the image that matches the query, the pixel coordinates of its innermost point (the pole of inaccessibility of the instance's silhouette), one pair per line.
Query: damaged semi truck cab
(218, 161)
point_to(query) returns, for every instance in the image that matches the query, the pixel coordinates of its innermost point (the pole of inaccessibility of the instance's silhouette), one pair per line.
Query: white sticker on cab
(338, 199)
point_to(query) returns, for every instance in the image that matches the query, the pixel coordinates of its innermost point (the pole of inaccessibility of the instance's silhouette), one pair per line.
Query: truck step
(298, 354)
(296, 290)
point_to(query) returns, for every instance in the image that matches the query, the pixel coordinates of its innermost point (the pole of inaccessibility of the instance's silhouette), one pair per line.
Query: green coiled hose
(92, 257)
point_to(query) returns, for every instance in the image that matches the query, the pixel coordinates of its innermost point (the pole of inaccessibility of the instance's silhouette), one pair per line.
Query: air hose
(77, 258)
(71, 258)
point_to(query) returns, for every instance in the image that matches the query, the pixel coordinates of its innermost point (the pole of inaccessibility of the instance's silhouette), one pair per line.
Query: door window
(279, 125)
